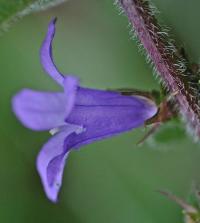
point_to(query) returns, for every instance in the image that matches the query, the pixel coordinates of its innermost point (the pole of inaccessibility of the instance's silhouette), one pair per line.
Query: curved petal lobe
(39, 110)
(46, 57)
(51, 161)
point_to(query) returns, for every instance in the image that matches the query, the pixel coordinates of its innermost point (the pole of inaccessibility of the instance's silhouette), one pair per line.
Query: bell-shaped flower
(75, 117)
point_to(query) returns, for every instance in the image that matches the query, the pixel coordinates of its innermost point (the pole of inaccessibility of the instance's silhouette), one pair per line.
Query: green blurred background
(113, 180)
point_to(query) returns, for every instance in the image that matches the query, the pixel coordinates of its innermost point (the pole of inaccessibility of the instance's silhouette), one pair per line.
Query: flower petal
(51, 161)
(105, 114)
(70, 88)
(40, 110)
(46, 55)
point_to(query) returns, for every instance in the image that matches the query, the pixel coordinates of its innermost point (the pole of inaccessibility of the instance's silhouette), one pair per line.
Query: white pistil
(54, 131)
(76, 128)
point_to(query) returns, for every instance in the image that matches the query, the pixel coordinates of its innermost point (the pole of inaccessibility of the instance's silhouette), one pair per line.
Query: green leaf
(12, 10)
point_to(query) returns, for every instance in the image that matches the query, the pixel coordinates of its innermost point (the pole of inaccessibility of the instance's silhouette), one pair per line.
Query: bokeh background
(113, 180)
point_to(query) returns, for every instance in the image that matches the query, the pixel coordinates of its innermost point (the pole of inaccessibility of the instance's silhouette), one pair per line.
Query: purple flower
(75, 117)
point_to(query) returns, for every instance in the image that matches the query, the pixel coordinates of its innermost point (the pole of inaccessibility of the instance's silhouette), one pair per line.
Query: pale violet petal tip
(46, 57)
(39, 110)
